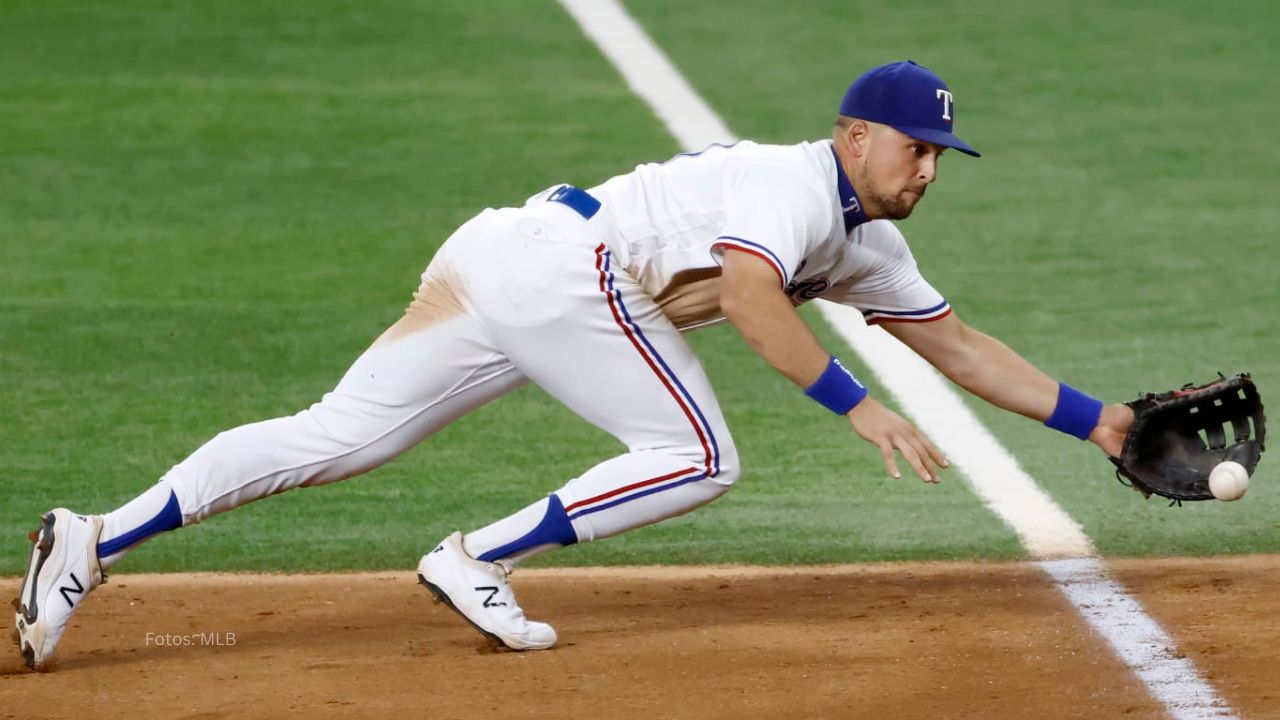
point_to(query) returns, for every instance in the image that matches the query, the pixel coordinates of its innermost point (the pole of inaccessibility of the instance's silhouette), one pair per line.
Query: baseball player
(587, 293)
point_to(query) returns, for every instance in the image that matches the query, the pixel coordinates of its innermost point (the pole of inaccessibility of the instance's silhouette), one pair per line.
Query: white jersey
(670, 223)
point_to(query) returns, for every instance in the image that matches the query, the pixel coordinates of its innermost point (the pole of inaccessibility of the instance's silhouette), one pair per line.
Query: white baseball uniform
(589, 303)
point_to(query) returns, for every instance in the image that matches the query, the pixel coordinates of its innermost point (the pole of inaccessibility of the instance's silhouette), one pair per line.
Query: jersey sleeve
(774, 213)
(886, 285)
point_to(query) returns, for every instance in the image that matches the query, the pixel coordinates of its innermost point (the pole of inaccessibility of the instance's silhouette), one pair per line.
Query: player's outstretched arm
(752, 299)
(991, 370)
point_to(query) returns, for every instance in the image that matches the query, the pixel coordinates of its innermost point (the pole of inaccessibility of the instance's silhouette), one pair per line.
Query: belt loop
(578, 199)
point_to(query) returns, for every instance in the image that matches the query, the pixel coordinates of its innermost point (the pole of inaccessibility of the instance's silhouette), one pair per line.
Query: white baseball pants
(514, 295)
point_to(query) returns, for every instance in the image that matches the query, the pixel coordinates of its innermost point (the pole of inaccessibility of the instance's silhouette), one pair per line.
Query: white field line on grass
(1049, 535)
(1044, 528)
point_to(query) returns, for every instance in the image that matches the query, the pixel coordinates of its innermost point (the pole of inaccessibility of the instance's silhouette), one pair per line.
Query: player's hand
(885, 429)
(1112, 427)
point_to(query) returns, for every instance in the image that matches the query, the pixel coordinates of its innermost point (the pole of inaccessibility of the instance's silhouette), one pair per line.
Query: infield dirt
(928, 640)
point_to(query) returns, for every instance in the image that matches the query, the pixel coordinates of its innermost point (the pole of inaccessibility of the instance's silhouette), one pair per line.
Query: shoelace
(503, 575)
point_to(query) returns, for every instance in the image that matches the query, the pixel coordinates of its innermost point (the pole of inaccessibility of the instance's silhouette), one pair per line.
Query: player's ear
(857, 134)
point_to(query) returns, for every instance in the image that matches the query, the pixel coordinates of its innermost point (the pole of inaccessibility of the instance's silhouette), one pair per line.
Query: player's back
(663, 204)
(665, 217)
(682, 200)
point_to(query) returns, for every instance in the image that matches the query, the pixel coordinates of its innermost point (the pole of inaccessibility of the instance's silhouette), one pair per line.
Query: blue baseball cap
(908, 97)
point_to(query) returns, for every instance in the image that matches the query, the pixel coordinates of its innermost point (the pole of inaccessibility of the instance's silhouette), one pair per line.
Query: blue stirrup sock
(541, 526)
(154, 511)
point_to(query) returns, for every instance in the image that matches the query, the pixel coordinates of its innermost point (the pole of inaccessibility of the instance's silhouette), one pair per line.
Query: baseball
(1228, 480)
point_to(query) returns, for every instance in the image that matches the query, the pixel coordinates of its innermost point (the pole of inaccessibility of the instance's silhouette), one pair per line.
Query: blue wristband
(837, 389)
(1076, 413)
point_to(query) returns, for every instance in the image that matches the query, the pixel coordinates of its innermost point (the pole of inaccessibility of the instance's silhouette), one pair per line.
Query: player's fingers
(912, 457)
(926, 458)
(890, 464)
(935, 453)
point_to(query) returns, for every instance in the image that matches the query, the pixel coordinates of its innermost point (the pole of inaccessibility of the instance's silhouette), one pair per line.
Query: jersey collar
(850, 205)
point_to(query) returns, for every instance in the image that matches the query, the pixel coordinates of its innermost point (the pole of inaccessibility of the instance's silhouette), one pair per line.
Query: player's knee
(726, 474)
(718, 462)
(725, 468)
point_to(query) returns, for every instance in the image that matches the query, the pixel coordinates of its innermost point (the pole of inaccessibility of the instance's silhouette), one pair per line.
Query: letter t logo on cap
(945, 97)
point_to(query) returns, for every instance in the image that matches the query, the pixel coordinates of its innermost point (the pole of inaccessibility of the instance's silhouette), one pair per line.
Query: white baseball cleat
(481, 593)
(63, 569)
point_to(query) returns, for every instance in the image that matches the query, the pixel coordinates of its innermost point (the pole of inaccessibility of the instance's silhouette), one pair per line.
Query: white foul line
(649, 73)
(1044, 528)
(1050, 536)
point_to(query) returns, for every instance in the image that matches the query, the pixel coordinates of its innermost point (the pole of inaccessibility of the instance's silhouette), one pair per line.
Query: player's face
(895, 172)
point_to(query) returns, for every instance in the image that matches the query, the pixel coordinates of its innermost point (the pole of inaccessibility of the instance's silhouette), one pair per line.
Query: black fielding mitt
(1178, 436)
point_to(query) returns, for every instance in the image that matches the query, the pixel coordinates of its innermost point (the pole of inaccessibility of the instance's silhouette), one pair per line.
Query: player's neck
(851, 205)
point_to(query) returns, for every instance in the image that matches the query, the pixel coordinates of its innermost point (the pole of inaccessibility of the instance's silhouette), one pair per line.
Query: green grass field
(207, 212)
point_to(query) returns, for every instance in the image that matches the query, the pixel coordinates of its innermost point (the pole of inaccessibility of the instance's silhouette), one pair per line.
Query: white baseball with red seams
(1228, 481)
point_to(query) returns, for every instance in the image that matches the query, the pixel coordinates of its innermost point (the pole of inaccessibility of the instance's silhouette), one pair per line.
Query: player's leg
(618, 362)
(599, 344)
(394, 395)
(432, 366)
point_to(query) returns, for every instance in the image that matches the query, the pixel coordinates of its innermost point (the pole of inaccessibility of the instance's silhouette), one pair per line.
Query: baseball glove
(1177, 437)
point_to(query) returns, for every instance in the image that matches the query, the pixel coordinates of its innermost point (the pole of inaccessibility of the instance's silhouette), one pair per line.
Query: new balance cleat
(481, 593)
(63, 570)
